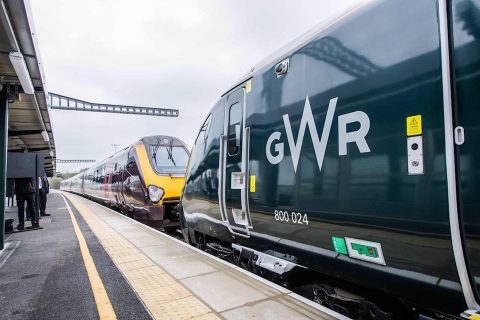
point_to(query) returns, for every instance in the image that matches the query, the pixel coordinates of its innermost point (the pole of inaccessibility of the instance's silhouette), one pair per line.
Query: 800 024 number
(291, 217)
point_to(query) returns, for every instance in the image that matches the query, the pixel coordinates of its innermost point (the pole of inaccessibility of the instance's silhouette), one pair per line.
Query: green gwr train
(353, 155)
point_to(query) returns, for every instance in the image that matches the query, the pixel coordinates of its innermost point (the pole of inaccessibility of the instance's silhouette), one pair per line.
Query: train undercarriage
(352, 301)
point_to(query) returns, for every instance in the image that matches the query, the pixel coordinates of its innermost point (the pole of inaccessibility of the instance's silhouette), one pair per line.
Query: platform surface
(145, 274)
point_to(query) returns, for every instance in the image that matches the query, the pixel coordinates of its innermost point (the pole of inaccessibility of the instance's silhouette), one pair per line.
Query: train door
(465, 71)
(108, 180)
(133, 186)
(233, 166)
(122, 160)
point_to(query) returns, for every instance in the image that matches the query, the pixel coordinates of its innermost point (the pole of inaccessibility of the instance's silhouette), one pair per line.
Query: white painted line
(8, 251)
(245, 272)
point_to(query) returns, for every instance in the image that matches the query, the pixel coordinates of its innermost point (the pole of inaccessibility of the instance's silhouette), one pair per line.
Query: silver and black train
(353, 155)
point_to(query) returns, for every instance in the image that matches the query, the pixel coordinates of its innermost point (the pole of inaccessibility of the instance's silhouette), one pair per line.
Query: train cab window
(202, 135)
(168, 158)
(234, 127)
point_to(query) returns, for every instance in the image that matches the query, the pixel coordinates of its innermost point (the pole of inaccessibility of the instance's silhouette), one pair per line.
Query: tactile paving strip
(162, 295)
(42, 221)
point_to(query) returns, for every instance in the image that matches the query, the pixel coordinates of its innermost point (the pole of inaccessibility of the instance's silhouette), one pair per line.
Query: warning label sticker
(414, 125)
(248, 86)
(252, 184)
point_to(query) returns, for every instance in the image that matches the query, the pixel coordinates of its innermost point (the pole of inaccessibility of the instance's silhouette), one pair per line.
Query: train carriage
(352, 153)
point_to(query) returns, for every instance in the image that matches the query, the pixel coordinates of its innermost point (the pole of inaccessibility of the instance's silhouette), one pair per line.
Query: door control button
(415, 155)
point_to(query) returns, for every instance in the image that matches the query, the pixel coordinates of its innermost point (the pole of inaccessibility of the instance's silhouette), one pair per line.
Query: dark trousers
(31, 209)
(43, 201)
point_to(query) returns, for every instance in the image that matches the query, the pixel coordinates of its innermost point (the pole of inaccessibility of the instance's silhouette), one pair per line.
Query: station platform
(91, 262)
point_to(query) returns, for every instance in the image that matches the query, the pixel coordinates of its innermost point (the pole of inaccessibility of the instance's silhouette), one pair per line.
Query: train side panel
(329, 158)
(359, 186)
(200, 197)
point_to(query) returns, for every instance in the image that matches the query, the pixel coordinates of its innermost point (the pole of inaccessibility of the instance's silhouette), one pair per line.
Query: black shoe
(35, 225)
(45, 214)
(20, 227)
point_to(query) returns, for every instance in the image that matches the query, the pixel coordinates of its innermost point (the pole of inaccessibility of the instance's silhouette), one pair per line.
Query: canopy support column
(3, 157)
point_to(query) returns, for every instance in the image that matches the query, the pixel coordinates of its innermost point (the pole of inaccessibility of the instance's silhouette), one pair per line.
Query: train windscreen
(168, 159)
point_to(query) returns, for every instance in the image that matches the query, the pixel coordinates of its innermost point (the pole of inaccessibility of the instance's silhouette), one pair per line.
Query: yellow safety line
(104, 306)
(164, 297)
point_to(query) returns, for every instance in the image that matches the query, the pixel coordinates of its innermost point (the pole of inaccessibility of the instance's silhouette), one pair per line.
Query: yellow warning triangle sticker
(414, 125)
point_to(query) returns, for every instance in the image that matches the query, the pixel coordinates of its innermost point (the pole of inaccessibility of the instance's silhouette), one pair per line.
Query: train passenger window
(202, 135)
(234, 127)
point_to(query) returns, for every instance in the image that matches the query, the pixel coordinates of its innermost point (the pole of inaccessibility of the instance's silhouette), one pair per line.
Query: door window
(234, 127)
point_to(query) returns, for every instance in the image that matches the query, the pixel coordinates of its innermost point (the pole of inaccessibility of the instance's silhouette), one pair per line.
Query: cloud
(180, 54)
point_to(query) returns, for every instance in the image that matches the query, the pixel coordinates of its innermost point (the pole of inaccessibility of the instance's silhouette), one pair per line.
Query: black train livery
(353, 154)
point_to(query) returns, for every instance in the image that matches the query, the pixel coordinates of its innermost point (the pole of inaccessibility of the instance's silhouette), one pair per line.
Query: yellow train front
(144, 180)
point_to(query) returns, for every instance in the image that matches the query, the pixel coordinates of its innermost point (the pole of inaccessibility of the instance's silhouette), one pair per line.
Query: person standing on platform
(25, 192)
(44, 189)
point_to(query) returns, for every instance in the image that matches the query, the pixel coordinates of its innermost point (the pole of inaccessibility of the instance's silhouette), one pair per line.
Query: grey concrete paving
(279, 309)
(225, 290)
(229, 291)
(45, 278)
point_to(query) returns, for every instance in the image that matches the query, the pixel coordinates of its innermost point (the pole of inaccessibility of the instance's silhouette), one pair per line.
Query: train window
(168, 158)
(202, 135)
(215, 129)
(234, 127)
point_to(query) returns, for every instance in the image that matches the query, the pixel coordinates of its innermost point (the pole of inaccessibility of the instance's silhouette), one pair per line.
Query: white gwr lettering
(358, 136)
(319, 144)
(278, 148)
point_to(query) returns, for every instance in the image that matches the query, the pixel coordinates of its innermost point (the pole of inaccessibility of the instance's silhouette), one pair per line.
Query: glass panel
(202, 135)
(168, 159)
(234, 126)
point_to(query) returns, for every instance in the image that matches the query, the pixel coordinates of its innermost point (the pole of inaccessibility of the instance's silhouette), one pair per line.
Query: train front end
(163, 162)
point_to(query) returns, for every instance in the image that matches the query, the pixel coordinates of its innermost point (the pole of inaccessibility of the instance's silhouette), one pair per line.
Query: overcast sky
(178, 54)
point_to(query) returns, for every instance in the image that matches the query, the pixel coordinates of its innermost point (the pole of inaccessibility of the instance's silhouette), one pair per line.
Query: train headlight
(155, 193)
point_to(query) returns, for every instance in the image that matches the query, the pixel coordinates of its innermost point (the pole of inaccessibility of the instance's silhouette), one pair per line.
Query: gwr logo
(319, 145)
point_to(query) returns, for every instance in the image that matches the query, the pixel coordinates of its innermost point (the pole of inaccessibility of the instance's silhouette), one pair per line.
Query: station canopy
(21, 69)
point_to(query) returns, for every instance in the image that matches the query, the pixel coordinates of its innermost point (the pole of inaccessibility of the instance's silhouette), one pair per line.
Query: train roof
(300, 41)
(145, 140)
(154, 139)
